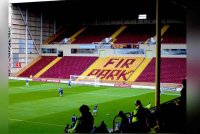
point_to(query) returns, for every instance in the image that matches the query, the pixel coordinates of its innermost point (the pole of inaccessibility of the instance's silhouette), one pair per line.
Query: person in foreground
(85, 122)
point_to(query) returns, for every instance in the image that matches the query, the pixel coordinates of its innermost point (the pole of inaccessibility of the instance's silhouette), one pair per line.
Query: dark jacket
(85, 123)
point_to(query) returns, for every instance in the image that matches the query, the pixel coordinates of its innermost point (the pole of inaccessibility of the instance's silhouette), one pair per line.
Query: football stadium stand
(47, 67)
(94, 34)
(173, 70)
(116, 69)
(35, 68)
(176, 34)
(115, 47)
(69, 65)
(136, 33)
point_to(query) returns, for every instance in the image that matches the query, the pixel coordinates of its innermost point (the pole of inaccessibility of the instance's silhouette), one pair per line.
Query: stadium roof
(75, 10)
(27, 1)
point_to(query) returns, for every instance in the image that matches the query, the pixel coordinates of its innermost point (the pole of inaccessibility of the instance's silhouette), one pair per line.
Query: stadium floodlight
(84, 80)
(142, 16)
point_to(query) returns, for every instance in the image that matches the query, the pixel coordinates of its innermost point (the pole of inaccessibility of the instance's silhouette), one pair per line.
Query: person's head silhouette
(138, 103)
(84, 109)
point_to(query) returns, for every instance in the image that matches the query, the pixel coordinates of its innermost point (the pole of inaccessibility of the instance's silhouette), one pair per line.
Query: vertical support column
(31, 37)
(158, 49)
(41, 30)
(26, 47)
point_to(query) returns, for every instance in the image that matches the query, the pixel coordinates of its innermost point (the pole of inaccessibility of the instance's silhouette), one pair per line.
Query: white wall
(111, 52)
(164, 46)
(66, 50)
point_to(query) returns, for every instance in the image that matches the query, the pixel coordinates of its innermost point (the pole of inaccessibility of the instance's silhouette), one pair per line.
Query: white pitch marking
(36, 122)
(114, 95)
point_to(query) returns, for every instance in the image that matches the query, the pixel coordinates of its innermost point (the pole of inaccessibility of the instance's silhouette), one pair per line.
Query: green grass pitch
(39, 108)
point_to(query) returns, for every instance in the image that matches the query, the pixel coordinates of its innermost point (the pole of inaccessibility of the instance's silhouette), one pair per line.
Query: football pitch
(38, 108)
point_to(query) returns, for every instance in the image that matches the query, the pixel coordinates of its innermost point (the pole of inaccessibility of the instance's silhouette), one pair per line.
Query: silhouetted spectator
(183, 92)
(182, 108)
(148, 106)
(124, 121)
(84, 123)
(140, 117)
(117, 126)
(101, 129)
(66, 129)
